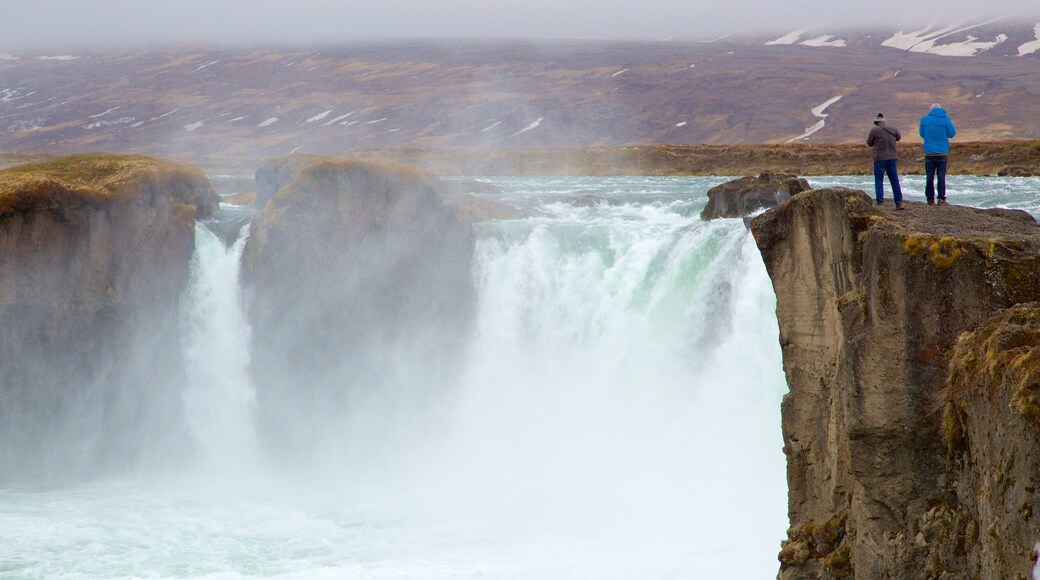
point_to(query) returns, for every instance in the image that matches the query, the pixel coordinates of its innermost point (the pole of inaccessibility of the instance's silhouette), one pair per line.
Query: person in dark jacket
(936, 129)
(882, 138)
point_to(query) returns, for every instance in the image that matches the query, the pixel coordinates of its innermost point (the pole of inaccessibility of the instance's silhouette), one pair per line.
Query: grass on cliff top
(88, 177)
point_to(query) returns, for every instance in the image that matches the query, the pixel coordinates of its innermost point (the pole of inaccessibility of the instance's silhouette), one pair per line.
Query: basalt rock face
(747, 195)
(94, 253)
(358, 276)
(899, 464)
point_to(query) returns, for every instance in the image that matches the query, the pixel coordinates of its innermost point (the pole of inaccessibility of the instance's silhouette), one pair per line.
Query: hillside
(250, 103)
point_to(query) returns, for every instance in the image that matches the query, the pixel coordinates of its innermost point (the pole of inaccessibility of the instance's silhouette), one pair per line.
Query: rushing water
(617, 416)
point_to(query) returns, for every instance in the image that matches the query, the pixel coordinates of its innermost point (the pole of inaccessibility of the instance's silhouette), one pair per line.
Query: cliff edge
(94, 254)
(911, 452)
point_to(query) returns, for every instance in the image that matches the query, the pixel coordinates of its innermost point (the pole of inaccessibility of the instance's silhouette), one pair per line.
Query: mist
(53, 24)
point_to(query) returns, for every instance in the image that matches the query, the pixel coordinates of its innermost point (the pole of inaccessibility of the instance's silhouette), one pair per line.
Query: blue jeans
(888, 166)
(935, 166)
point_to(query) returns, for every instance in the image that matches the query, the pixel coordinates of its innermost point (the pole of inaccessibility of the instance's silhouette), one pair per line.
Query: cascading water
(219, 400)
(616, 415)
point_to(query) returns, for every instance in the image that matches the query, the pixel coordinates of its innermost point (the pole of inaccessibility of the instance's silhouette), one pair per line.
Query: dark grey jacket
(883, 139)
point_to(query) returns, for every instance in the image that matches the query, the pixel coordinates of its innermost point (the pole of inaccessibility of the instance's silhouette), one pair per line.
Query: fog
(39, 24)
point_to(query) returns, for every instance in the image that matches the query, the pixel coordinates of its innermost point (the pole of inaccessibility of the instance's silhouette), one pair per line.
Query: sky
(69, 24)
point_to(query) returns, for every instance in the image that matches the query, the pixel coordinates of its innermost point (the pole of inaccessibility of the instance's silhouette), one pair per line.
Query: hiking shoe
(931, 202)
(899, 206)
(942, 201)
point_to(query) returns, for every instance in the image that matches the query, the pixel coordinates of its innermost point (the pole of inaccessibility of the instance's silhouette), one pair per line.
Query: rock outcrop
(747, 195)
(356, 271)
(901, 465)
(94, 253)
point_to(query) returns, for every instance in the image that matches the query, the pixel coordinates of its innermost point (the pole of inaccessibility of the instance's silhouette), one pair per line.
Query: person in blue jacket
(936, 129)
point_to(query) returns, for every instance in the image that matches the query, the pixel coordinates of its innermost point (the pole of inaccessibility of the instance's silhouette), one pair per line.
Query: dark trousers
(935, 166)
(881, 168)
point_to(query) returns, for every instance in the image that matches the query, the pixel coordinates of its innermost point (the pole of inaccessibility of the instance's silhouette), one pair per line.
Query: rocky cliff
(746, 195)
(356, 270)
(94, 251)
(911, 428)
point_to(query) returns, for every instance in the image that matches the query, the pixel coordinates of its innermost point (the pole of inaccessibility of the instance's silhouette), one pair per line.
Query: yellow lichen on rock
(942, 252)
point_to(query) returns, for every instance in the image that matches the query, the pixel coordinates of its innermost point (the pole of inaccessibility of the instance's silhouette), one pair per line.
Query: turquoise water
(616, 416)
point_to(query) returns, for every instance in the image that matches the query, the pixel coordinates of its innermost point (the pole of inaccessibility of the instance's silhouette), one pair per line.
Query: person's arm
(950, 130)
(870, 138)
(897, 134)
(920, 129)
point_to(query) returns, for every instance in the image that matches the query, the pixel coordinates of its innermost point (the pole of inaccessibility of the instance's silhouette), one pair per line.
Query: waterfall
(219, 400)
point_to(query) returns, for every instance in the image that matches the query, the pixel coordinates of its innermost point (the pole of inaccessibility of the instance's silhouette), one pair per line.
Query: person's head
(879, 118)
(934, 107)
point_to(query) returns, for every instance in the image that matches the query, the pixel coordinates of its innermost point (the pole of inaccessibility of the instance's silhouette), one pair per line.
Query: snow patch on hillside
(825, 40)
(620, 72)
(927, 39)
(109, 123)
(817, 111)
(268, 122)
(337, 119)
(1031, 46)
(192, 126)
(530, 127)
(789, 38)
(969, 47)
(59, 57)
(491, 126)
(319, 116)
(99, 115)
(373, 122)
(207, 64)
(8, 95)
(5, 56)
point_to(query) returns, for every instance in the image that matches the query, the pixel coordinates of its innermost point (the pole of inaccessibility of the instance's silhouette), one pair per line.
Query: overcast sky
(56, 24)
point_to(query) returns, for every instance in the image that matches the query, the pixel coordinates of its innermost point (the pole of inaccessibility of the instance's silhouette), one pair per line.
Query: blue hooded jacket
(936, 130)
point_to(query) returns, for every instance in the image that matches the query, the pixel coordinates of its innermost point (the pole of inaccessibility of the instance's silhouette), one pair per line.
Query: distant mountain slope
(801, 87)
(994, 37)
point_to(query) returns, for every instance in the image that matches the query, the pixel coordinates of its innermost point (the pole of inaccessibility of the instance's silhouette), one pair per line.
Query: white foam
(824, 40)
(789, 38)
(268, 122)
(819, 112)
(530, 127)
(319, 116)
(1031, 46)
(622, 71)
(193, 126)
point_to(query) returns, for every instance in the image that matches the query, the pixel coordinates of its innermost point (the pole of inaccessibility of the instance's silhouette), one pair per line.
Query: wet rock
(744, 196)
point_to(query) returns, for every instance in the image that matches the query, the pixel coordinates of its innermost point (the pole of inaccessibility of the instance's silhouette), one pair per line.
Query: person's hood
(938, 112)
